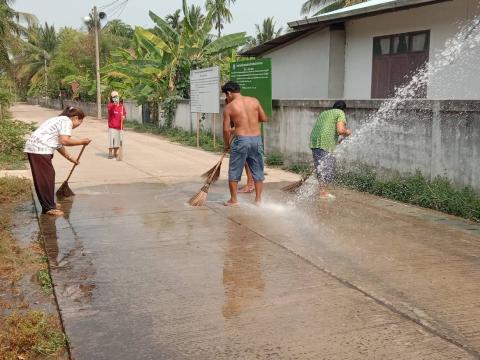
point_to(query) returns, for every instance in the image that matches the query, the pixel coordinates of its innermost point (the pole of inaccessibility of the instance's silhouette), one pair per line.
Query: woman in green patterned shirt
(323, 140)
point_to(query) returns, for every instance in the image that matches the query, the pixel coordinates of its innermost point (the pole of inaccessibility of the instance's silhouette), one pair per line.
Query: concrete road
(141, 275)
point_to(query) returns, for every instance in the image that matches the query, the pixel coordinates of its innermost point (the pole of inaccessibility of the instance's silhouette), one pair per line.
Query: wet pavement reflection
(141, 275)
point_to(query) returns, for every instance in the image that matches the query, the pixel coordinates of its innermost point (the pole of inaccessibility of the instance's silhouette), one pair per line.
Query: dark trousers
(44, 179)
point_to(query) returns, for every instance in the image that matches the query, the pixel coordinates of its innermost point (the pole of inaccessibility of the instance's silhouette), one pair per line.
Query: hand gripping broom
(212, 175)
(64, 191)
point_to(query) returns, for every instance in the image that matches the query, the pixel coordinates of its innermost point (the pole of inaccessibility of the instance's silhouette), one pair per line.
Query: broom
(120, 150)
(214, 173)
(64, 191)
(297, 184)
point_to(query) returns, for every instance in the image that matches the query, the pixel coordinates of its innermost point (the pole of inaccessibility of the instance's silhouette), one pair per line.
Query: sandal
(54, 212)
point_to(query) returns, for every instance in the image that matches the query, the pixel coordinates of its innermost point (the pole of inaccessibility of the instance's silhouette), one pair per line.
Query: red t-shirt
(115, 114)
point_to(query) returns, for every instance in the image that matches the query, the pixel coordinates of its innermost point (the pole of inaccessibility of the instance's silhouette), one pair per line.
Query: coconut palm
(195, 16)
(325, 6)
(221, 12)
(118, 28)
(266, 31)
(37, 50)
(10, 30)
(174, 19)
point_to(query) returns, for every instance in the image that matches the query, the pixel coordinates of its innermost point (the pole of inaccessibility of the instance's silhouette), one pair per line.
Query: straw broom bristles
(64, 190)
(200, 198)
(297, 184)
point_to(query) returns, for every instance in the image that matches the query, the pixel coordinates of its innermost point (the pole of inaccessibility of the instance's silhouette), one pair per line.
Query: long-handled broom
(215, 170)
(213, 174)
(64, 191)
(120, 150)
(297, 184)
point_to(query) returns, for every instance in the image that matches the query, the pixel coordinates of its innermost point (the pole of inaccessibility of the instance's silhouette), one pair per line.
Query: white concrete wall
(300, 70)
(185, 120)
(443, 20)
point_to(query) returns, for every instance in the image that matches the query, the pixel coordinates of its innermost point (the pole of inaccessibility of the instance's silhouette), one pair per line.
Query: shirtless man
(245, 113)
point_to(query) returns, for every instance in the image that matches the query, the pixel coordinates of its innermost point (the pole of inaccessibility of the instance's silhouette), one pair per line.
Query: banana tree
(191, 46)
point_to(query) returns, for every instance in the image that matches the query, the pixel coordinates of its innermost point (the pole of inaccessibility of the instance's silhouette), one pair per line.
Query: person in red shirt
(116, 116)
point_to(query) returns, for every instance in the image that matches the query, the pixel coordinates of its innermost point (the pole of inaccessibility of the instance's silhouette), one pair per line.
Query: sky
(246, 13)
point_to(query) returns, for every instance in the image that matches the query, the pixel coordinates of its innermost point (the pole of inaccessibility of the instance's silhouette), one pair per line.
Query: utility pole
(96, 23)
(46, 75)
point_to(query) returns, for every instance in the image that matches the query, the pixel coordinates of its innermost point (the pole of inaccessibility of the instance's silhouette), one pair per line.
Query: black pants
(44, 179)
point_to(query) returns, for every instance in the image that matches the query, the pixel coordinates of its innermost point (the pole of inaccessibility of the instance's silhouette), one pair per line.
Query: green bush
(274, 160)
(12, 141)
(438, 194)
(301, 169)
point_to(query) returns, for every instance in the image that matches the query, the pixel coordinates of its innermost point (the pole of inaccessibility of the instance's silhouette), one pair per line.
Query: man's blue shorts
(249, 149)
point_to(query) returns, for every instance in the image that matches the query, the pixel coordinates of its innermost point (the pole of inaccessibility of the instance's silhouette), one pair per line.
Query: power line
(103, 7)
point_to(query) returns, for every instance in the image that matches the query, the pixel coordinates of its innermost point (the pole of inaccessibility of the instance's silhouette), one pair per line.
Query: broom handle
(209, 180)
(74, 165)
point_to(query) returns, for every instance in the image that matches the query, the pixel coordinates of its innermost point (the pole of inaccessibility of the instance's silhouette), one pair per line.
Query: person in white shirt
(53, 134)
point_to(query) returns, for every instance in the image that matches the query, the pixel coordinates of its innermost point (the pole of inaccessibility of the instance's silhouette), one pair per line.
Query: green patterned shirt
(324, 133)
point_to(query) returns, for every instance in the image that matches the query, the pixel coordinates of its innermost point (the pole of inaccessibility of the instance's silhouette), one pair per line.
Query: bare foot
(54, 212)
(327, 196)
(230, 203)
(247, 189)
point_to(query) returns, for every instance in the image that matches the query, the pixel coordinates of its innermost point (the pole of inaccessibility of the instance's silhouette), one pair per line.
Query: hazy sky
(246, 13)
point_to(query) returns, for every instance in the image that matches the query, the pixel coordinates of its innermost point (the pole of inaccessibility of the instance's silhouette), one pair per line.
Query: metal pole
(214, 135)
(46, 78)
(198, 130)
(97, 63)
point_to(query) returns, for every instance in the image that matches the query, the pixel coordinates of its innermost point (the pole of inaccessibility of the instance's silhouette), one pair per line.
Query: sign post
(205, 95)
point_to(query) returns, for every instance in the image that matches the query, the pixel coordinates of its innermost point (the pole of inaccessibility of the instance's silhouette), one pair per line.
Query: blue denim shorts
(325, 165)
(246, 149)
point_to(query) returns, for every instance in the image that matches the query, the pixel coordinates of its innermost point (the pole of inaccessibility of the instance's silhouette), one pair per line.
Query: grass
(300, 169)
(437, 194)
(26, 335)
(274, 160)
(14, 189)
(12, 141)
(178, 135)
(45, 281)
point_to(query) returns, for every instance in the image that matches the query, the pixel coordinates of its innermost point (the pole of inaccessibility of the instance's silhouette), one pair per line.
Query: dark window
(395, 59)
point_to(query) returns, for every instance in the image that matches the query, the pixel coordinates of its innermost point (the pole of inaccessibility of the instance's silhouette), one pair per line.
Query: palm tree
(158, 67)
(221, 12)
(195, 16)
(266, 31)
(325, 6)
(10, 31)
(37, 51)
(118, 28)
(174, 19)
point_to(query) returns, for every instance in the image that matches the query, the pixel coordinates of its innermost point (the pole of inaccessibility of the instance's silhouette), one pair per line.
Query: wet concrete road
(140, 275)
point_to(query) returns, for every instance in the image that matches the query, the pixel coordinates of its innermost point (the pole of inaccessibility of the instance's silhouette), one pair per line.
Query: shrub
(12, 141)
(274, 160)
(438, 194)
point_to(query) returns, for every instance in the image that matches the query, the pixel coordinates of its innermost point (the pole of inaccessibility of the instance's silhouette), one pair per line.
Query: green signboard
(255, 79)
